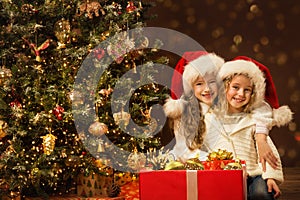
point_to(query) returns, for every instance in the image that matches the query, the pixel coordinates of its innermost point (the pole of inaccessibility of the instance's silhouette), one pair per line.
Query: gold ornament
(98, 128)
(5, 75)
(136, 160)
(48, 143)
(62, 30)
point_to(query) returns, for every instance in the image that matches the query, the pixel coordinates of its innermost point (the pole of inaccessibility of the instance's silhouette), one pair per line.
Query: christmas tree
(57, 122)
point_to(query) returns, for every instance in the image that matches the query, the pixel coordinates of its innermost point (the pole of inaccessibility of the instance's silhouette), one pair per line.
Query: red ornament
(99, 53)
(15, 104)
(130, 7)
(58, 111)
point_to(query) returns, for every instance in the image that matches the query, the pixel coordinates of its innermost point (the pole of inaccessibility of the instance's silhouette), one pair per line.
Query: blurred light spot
(281, 151)
(175, 8)
(222, 6)
(174, 23)
(281, 58)
(292, 82)
(264, 40)
(254, 8)
(250, 16)
(292, 153)
(201, 25)
(237, 39)
(280, 25)
(190, 11)
(256, 48)
(232, 15)
(295, 96)
(292, 126)
(217, 32)
(234, 49)
(168, 3)
(297, 136)
(191, 19)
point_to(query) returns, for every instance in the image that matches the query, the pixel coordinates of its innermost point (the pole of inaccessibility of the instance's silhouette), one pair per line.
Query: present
(130, 190)
(193, 184)
(94, 185)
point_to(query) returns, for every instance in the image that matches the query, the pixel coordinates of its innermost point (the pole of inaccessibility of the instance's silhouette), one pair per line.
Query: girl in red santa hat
(199, 89)
(244, 92)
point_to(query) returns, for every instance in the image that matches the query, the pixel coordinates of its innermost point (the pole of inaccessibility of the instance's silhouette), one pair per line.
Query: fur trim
(248, 68)
(173, 108)
(209, 63)
(282, 116)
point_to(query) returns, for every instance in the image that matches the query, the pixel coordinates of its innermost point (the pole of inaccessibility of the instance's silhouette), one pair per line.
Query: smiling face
(205, 88)
(238, 93)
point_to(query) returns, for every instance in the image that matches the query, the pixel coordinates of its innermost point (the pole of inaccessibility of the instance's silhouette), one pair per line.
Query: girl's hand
(265, 152)
(272, 186)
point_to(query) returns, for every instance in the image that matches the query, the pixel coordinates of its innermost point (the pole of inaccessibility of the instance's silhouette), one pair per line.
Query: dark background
(267, 31)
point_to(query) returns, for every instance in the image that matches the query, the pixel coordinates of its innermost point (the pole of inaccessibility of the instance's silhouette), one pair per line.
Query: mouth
(238, 100)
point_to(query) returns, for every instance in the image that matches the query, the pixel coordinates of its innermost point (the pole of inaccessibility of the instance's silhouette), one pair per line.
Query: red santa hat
(281, 114)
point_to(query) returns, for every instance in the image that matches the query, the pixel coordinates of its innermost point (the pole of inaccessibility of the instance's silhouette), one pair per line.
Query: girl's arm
(263, 117)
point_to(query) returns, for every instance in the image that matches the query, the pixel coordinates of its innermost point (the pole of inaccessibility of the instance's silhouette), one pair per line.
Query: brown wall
(264, 30)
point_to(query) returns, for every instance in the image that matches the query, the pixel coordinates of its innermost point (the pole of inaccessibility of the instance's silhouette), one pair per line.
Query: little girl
(244, 90)
(200, 89)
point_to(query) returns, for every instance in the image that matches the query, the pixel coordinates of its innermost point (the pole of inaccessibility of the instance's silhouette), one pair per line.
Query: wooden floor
(290, 188)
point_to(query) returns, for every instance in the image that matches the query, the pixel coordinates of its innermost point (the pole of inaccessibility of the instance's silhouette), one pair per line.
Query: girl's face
(238, 93)
(205, 88)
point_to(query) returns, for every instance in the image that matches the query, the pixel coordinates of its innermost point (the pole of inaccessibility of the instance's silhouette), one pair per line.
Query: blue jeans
(257, 189)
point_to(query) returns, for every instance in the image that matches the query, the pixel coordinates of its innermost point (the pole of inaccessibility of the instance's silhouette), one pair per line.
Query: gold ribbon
(192, 184)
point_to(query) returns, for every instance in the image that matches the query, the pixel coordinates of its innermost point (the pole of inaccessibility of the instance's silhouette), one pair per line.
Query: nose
(241, 92)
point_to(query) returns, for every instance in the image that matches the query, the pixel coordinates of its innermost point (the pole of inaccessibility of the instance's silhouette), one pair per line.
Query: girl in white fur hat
(244, 90)
(200, 89)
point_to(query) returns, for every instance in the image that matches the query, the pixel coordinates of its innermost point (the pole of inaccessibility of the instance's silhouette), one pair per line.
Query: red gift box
(193, 185)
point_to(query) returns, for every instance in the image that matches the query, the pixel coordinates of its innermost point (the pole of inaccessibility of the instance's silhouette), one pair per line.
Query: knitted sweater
(236, 134)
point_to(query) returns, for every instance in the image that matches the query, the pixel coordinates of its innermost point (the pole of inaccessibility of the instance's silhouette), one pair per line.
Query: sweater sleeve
(270, 172)
(263, 117)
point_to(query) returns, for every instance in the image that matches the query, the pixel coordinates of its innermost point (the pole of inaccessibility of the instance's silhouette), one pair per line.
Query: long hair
(192, 122)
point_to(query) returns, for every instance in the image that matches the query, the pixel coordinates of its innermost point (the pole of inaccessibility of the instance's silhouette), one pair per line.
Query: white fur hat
(248, 68)
(209, 63)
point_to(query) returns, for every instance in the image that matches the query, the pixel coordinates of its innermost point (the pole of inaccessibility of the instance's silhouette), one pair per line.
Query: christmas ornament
(5, 75)
(136, 160)
(28, 8)
(62, 31)
(91, 8)
(130, 7)
(3, 127)
(122, 118)
(37, 50)
(98, 53)
(48, 143)
(58, 111)
(98, 128)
